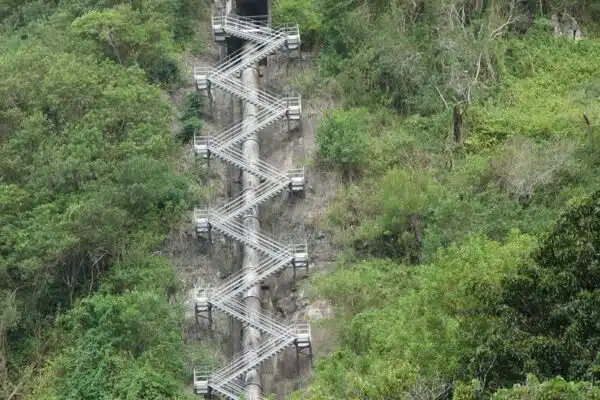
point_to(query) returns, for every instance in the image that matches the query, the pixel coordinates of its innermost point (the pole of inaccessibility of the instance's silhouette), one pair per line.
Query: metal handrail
(264, 243)
(238, 204)
(264, 350)
(240, 131)
(224, 216)
(258, 319)
(234, 155)
(261, 98)
(248, 29)
(251, 55)
(257, 19)
(237, 283)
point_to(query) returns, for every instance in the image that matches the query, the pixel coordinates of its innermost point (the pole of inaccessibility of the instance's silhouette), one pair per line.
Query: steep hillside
(464, 139)
(451, 153)
(90, 183)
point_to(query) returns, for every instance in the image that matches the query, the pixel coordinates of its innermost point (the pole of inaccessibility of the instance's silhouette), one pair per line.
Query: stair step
(268, 43)
(248, 321)
(253, 245)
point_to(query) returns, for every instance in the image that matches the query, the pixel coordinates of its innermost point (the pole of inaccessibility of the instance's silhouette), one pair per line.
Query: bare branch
(478, 67)
(500, 30)
(442, 96)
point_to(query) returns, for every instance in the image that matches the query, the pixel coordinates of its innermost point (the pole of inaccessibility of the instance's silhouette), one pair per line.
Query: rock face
(565, 25)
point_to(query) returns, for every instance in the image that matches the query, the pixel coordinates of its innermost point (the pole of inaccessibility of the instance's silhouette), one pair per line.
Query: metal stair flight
(227, 216)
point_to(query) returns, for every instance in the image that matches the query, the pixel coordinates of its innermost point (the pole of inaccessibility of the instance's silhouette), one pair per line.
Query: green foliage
(556, 388)
(305, 13)
(548, 310)
(181, 16)
(556, 78)
(123, 346)
(191, 118)
(487, 126)
(399, 323)
(88, 188)
(128, 36)
(343, 141)
(390, 216)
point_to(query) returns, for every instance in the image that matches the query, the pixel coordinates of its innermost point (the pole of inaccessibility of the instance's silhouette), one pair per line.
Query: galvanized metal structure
(227, 217)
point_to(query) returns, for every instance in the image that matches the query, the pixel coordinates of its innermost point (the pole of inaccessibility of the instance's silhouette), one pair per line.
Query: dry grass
(524, 164)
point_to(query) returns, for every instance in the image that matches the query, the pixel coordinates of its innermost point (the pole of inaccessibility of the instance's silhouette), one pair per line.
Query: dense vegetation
(88, 188)
(469, 216)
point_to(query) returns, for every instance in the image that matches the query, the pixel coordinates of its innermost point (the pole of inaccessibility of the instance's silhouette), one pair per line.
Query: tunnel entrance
(249, 8)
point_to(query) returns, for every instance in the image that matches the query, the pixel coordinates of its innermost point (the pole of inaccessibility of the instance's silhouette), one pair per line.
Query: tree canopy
(88, 188)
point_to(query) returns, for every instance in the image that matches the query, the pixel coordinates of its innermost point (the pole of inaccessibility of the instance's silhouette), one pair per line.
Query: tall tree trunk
(457, 123)
(250, 148)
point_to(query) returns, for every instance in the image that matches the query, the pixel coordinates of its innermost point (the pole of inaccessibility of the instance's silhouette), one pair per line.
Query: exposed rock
(318, 309)
(190, 304)
(565, 25)
(291, 303)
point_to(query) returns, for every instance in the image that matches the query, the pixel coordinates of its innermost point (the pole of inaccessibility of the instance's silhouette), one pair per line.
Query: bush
(192, 111)
(125, 346)
(343, 141)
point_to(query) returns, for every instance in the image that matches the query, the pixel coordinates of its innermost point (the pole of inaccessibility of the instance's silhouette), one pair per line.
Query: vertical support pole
(210, 99)
(297, 357)
(210, 240)
(210, 321)
(269, 18)
(294, 269)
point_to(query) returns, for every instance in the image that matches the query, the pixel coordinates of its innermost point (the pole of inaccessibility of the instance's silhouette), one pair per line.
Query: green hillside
(89, 185)
(467, 140)
(466, 136)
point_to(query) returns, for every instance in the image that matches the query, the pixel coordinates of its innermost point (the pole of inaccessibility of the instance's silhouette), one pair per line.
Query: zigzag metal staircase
(227, 216)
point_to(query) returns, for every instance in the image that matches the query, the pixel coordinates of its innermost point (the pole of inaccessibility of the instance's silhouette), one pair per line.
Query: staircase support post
(210, 321)
(210, 99)
(299, 351)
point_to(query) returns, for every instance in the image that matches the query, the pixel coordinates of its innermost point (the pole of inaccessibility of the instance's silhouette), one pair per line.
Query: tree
(128, 36)
(548, 309)
(86, 176)
(342, 140)
(124, 346)
(402, 328)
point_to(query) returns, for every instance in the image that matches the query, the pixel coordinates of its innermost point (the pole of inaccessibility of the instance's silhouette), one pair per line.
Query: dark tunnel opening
(247, 8)
(250, 8)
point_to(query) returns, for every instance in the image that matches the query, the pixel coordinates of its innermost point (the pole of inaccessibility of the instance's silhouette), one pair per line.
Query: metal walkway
(227, 216)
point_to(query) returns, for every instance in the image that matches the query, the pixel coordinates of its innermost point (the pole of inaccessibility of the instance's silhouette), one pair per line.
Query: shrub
(192, 111)
(343, 141)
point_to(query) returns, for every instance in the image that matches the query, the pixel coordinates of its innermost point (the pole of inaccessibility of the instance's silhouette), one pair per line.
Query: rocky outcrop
(565, 25)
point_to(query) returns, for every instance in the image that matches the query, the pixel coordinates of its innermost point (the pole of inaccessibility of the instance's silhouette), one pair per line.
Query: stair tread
(267, 43)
